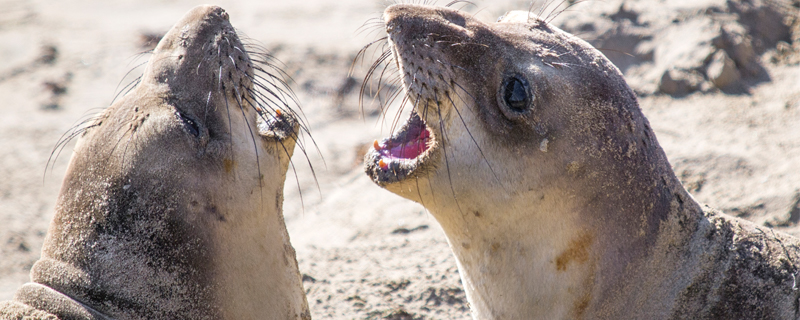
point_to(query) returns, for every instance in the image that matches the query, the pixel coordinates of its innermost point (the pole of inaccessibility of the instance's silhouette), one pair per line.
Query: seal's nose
(423, 17)
(204, 33)
(217, 12)
(208, 11)
(206, 14)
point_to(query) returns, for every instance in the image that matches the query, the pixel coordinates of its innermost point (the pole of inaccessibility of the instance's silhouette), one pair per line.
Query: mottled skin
(568, 208)
(171, 205)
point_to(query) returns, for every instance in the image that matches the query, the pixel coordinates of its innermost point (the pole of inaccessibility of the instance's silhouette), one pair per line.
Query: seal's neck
(242, 267)
(141, 247)
(257, 271)
(521, 261)
(557, 252)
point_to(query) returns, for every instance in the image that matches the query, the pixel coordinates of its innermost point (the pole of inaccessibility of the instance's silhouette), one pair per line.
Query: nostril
(221, 13)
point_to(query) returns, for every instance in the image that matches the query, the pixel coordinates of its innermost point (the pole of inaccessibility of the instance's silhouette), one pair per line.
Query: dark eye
(517, 94)
(190, 125)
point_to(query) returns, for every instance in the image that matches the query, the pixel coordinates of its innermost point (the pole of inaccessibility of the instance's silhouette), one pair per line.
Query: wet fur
(569, 209)
(171, 205)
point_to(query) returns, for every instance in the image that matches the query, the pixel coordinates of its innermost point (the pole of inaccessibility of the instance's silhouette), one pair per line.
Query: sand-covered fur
(550, 185)
(172, 204)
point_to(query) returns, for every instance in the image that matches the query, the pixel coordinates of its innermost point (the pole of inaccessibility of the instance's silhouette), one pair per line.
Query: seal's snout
(221, 13)
(208, 12)
(203, 37)
(196, 26)
(421, 37)
(393, 14)
(428, 45)
(422, 20)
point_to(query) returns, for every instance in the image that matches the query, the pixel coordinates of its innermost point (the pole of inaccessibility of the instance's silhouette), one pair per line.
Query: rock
(620, 44)
(677, 82)
(786, 53)
(722, 71)
(737, 44)
(764, 20)
(680, 55)
(788, 212)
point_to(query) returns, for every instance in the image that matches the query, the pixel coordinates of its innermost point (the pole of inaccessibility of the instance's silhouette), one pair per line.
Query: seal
(530, 150)
(171, 204)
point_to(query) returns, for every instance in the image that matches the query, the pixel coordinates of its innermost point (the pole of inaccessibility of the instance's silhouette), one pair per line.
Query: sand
(364, 252)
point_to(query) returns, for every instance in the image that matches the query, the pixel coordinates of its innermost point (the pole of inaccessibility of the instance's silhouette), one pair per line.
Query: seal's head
(529, 148)
(171, 206)
(481, 91)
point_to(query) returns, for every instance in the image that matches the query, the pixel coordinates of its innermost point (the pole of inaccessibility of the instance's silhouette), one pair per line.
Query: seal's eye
(189, 124)
(516, 93)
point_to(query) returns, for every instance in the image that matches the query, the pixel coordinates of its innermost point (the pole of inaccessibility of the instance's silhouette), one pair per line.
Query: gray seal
(171, 204)
(530, 150)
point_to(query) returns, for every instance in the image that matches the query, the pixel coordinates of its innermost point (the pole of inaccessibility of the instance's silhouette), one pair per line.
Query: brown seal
(529, 148)
(171, 205)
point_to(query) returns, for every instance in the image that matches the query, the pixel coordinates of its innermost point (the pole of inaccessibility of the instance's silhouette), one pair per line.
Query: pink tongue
(409, 150)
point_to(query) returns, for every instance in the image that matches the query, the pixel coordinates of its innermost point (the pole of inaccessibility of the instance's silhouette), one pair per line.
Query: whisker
(275, 93)
(465, 2)
(477, 145)
(134, 82)
(76, 130)
(446, 159)
(252, 138)
(570, 4)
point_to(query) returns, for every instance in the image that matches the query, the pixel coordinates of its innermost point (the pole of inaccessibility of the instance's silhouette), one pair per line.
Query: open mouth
(401, 155)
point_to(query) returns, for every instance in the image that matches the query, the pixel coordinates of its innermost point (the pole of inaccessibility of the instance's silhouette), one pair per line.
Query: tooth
(376, 145)
(383, 164)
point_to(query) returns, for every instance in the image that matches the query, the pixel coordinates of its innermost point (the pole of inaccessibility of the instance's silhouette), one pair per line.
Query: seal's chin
(398, 157)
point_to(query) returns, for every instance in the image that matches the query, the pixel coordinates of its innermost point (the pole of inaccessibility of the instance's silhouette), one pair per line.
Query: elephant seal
(171, 204)
(530, 150)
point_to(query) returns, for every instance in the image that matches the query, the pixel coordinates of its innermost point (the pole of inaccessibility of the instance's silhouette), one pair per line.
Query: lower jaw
(394, 172)
(389, 162)
(397, 171)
